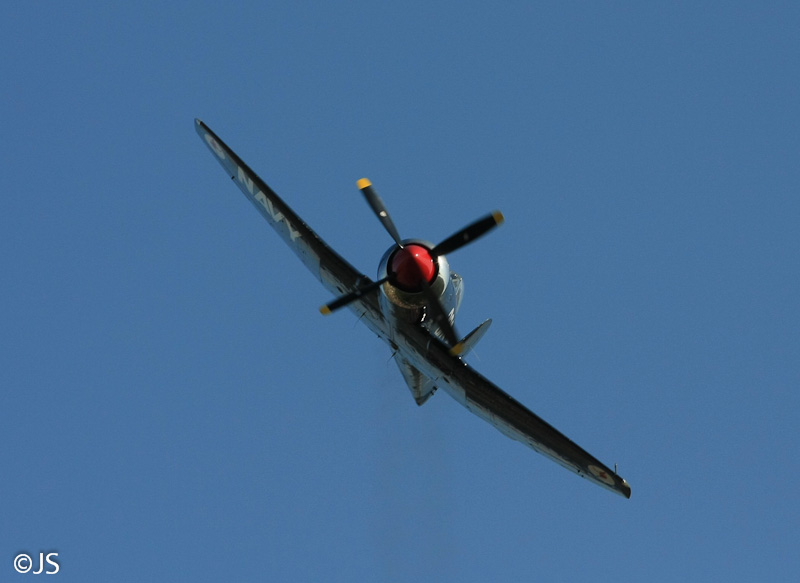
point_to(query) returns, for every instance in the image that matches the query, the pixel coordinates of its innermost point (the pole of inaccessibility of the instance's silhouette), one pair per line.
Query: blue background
(173, 406)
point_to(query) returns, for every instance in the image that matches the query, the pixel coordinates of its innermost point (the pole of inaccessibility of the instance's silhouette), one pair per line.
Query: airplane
(412, 306)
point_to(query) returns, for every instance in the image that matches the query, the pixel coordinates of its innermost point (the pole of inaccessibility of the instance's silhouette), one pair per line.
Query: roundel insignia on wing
(601, 475)
(214, 144)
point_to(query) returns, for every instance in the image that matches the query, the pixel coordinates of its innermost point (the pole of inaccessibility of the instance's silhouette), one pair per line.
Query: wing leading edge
(330, 268)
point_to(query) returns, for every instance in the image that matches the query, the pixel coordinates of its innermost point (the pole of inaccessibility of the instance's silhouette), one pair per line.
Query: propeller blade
(469, 233)
(438, 315)
(379, 208)
(351, 297)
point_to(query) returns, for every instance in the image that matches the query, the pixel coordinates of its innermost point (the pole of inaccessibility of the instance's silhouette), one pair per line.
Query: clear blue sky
(174, 408)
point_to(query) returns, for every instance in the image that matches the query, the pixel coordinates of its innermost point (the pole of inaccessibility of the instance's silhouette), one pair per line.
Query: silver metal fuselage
(401, 307)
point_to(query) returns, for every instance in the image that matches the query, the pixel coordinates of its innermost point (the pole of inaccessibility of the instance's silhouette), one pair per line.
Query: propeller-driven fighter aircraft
(412, 306)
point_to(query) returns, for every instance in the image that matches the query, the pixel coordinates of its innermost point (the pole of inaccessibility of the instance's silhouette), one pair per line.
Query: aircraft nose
(410, 264)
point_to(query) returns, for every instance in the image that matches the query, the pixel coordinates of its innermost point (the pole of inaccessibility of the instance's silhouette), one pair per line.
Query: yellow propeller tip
(363, 183)
(498, 217)
(324, 310)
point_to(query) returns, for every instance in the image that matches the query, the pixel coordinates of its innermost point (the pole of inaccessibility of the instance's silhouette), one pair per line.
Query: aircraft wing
(490, 403)
(333, 271)
(421, 351)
